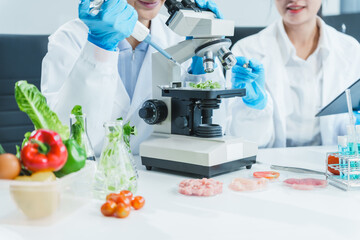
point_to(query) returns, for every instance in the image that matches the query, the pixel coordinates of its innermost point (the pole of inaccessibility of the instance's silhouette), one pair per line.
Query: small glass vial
(343, 150)
(116, 169)
(352, 145)
(351, 139)
(357, 132)
(78, 131)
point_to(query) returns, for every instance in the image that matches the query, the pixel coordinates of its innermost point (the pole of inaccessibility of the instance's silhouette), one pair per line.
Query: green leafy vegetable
(18, 153)
(33, 103)
(206, 85)
(2, 150)
(26, 138)
(127, 132)
(78, 128)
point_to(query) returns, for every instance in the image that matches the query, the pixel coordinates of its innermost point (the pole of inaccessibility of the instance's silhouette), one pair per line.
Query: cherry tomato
(118, 198)
(138, 202)
(127, 194)
(112, 196)
(108, 208)
(124, 200)
(122, 210)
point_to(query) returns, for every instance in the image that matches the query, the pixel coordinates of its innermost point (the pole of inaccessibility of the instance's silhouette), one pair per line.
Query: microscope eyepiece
(173, 6)
(190, 4)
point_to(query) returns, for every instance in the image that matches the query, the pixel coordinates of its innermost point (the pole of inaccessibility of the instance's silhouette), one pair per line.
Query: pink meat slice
(305, 183)
(200, 187)
(243, 184)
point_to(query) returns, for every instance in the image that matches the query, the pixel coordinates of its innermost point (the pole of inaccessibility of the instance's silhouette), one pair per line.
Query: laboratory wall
(35, 16)
(45, 16)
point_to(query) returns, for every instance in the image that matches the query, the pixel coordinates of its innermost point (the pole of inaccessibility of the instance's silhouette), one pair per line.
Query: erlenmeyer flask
(116, 168)
(78, 131)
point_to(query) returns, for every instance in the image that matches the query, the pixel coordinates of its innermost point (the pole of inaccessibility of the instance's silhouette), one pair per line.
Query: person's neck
(133, 42)
(304, 37)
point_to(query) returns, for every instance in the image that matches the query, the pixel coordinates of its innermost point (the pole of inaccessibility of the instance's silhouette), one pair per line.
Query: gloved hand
(209, 5)
(196, 67)
(114, 22)
(253, 80)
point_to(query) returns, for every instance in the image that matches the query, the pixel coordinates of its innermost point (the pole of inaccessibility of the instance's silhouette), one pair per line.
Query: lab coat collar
(323, 45)
(125, 45)
(288, 50)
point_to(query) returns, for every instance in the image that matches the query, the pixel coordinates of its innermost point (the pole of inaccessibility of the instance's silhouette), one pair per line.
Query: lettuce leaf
(33, 103)
(78, 128)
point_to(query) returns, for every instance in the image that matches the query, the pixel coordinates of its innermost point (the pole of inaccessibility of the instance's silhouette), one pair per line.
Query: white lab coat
(340, 70)
(74, 71)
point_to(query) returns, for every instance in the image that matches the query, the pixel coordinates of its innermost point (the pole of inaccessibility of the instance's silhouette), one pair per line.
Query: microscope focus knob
(153, 111)
(181, 122)
(145, 113)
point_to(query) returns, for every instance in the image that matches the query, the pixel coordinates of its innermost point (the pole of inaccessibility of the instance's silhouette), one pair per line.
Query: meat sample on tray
(244, 184)
(200, 187)
(266, 174)
(305, 183)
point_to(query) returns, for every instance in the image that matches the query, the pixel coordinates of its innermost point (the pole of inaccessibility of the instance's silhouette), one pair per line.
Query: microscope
(185, 139)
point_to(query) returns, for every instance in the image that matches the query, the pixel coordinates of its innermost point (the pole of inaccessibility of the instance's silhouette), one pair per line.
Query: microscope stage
(191, 93)
(201, 156)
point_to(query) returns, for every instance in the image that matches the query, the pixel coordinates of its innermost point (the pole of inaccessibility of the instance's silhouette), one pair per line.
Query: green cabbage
(33, 103)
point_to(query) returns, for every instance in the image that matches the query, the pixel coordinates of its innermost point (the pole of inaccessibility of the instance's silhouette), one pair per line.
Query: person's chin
(147, 15)
(296, 20)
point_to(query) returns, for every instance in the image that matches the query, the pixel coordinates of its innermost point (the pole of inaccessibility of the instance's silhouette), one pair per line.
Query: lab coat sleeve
(76, 72)
(251, 124)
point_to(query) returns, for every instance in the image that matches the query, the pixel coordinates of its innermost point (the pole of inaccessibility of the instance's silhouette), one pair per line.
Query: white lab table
(276, 213)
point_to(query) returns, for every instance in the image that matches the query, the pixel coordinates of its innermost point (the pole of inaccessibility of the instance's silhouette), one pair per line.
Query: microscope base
(201, 171)
(204, 157)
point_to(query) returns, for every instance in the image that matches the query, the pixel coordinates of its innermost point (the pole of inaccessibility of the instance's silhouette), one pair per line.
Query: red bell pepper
(44, 151)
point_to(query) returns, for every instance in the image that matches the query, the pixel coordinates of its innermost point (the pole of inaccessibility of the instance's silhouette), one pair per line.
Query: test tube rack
(348, 169)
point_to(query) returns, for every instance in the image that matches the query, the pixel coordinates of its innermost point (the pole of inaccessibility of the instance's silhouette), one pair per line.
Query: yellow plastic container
(42, 199)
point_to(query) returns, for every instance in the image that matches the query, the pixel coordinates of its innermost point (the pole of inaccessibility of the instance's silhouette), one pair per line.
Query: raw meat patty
(200, 187)
(243, 184)
(305, 183)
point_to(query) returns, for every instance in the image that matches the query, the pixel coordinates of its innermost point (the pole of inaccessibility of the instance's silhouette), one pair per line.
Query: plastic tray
(37, 200)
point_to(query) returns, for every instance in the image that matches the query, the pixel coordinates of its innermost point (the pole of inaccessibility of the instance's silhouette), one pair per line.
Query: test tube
(351, 139)
(343, 149)
(350, 108)
(357, 132)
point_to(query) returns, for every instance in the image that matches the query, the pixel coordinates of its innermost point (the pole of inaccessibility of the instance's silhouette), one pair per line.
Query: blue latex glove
(357, 116)
(114, 22)
(209, 5)
(253, 80)
(197, 66)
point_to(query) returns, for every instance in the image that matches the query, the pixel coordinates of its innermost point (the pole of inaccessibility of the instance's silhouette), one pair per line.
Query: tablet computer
(339, 104)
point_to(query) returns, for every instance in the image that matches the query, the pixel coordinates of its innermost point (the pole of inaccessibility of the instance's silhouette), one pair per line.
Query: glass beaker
(78, 131)
(116, 169)
(214, 80)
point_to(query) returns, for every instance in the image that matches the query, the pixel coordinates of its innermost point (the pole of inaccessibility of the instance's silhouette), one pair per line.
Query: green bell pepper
(76, 158)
